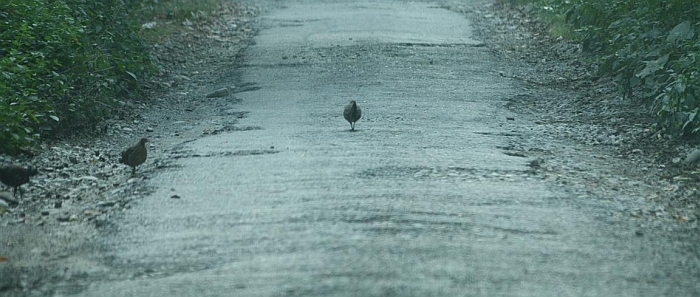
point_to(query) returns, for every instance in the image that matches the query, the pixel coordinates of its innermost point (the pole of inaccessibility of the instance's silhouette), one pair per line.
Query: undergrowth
(649, 47)
(66, 65)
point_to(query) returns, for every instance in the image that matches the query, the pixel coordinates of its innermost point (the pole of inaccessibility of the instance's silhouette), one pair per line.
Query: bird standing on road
(352, 113)
(14, 176)
(135, 155)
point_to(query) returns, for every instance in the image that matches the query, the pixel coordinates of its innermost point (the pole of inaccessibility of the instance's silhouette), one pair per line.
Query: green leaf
(653, 66)
(680, 86)
(690, 116)
(132, 75)
(682, 31)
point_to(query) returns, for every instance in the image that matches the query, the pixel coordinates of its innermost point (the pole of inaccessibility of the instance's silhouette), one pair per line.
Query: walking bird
(352, 113)
(135, 155)
(14, 176)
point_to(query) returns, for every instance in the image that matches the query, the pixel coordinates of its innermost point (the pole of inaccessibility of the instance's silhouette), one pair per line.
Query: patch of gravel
(81, 185)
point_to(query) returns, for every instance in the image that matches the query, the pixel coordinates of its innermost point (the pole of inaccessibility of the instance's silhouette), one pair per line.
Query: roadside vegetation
(67, 65)
(650, 48)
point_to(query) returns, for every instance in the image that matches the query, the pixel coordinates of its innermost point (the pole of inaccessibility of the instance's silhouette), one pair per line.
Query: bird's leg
(352, 126)
(133, 171)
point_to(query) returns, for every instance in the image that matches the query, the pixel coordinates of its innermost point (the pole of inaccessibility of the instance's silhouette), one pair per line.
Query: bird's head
(31, 171)
(143, 140)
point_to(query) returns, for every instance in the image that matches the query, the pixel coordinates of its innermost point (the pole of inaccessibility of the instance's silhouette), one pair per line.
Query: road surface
(424, 199)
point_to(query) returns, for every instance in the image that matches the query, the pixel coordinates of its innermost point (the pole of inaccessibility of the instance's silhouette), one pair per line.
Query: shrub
(63, 65)
(650, 47)
(33, 36)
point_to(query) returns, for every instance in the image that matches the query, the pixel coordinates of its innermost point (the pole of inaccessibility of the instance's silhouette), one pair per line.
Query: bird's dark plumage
(352, 113)
(135, 155)
(14, 176)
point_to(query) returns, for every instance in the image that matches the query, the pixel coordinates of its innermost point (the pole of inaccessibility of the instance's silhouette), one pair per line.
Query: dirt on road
(558, 131)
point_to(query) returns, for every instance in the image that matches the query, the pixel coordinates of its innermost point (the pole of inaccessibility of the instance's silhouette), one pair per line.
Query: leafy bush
(63, 64)
(650, 47)
(36, 38)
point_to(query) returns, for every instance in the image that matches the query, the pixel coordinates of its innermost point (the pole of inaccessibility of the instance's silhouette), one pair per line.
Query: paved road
(420, 201)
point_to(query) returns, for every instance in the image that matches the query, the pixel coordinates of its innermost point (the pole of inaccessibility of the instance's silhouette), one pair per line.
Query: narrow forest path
(431, 196)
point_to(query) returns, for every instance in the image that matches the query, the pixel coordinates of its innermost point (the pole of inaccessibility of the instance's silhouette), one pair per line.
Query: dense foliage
(63, 65)
(649, 47)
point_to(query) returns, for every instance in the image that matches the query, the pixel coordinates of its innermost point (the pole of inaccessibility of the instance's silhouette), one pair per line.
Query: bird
(135, 155)
(352, 113)
(14, 176)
